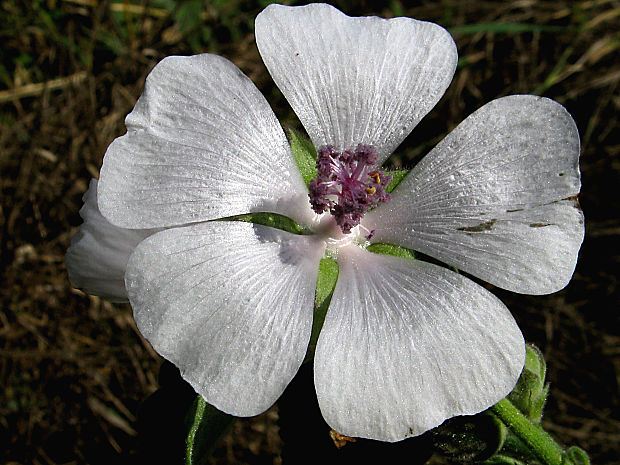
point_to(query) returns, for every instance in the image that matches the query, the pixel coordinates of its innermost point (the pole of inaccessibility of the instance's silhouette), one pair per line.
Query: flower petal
(407, 344)
(202, 143)
(355, 81)
(97, 257)
(496, 198)
(229, 303)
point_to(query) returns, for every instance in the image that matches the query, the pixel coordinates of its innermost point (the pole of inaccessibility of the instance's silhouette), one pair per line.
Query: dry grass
(74, 369)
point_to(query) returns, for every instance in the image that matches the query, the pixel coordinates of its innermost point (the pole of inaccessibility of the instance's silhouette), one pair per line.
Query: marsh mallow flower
(405, 343)
(348, 185)
(98, 255)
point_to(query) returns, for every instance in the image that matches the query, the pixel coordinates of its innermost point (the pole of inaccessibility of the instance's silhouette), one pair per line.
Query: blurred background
(74, 369)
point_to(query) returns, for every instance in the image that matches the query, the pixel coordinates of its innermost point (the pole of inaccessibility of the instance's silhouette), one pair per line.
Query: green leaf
(168, 5)
(188, 14)
(397, 8)
(325, 285)
(397, 177)
(111, 42)
(304, 154)
(389, 249)
(505, 28)
(206, 426)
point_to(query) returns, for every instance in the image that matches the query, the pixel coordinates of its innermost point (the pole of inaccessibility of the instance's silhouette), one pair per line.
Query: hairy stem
(540, 442)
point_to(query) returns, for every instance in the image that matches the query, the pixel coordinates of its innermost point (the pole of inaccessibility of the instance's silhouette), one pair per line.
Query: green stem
(540, 442)
(201, 406)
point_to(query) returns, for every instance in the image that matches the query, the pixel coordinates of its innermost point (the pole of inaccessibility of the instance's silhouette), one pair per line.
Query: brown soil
(74, 369)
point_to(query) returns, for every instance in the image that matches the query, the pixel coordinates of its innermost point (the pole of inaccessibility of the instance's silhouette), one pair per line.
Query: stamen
(369, 233)
(345, 185)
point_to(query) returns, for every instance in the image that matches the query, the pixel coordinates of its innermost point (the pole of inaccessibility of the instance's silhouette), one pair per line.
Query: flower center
(348, 185)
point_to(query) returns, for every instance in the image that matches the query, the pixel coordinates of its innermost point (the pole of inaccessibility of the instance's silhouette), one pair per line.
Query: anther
(346, 184)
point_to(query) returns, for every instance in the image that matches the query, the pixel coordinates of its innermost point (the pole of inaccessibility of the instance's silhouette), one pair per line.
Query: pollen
(348, 184)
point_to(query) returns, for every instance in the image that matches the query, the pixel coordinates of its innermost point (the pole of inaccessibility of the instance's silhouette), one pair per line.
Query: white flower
(405, 343)
(98, 255)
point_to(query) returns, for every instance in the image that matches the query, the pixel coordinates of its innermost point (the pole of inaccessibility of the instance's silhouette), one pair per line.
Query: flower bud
(575, 456)
(530, 393)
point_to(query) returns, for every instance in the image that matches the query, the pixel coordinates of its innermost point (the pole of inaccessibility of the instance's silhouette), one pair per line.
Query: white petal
(230, 304)
(97, 257)
(202, 143)
(350, 80)
(407, 344)
(496, 197)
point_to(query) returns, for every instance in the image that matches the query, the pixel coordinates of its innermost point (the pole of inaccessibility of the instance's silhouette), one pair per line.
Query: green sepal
(575, 456)
(206, 426)
(530, 393)
(518, 450)
(325, 281)
(325, 285)
(397, 177)
(503, 460)
(469, 438)
(538, 405)
(390, 249)
(273, 220)
(304, 154)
